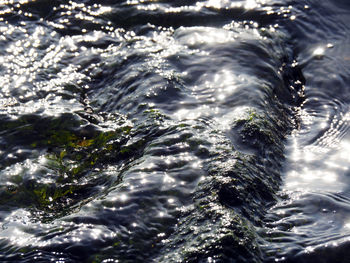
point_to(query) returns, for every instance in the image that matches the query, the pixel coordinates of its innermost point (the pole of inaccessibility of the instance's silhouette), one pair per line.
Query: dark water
(174, 131)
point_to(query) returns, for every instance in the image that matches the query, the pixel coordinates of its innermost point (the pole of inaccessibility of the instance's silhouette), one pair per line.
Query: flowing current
(174, 131)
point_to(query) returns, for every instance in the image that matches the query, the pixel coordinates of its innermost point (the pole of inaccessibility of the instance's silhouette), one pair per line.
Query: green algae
(72, 149)
(73, 152)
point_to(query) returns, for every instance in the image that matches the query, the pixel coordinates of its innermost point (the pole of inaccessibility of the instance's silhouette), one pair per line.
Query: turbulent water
(174, 131)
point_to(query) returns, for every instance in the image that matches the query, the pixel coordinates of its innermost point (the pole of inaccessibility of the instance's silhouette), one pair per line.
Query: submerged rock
(230, 200)
(243, 175)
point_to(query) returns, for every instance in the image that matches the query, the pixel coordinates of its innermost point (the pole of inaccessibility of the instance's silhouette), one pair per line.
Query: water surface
(161, 131)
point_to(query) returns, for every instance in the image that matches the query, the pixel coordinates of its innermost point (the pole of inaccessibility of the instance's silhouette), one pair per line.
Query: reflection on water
(310, 222)
(315, 168)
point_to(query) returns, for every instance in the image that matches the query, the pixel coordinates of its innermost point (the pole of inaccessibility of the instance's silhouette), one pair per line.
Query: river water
(174, 131)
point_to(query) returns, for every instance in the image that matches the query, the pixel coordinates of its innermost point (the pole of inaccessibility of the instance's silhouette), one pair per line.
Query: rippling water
(174, 131)
(311, 221)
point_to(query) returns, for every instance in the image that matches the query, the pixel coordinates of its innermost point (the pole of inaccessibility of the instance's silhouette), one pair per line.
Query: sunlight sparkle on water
(206, 35)
(123, 197)
(187, 114)
(216, 3)
(246, 4)
(318, 52)
(323, 165)
(251, 4)
(168, 179)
